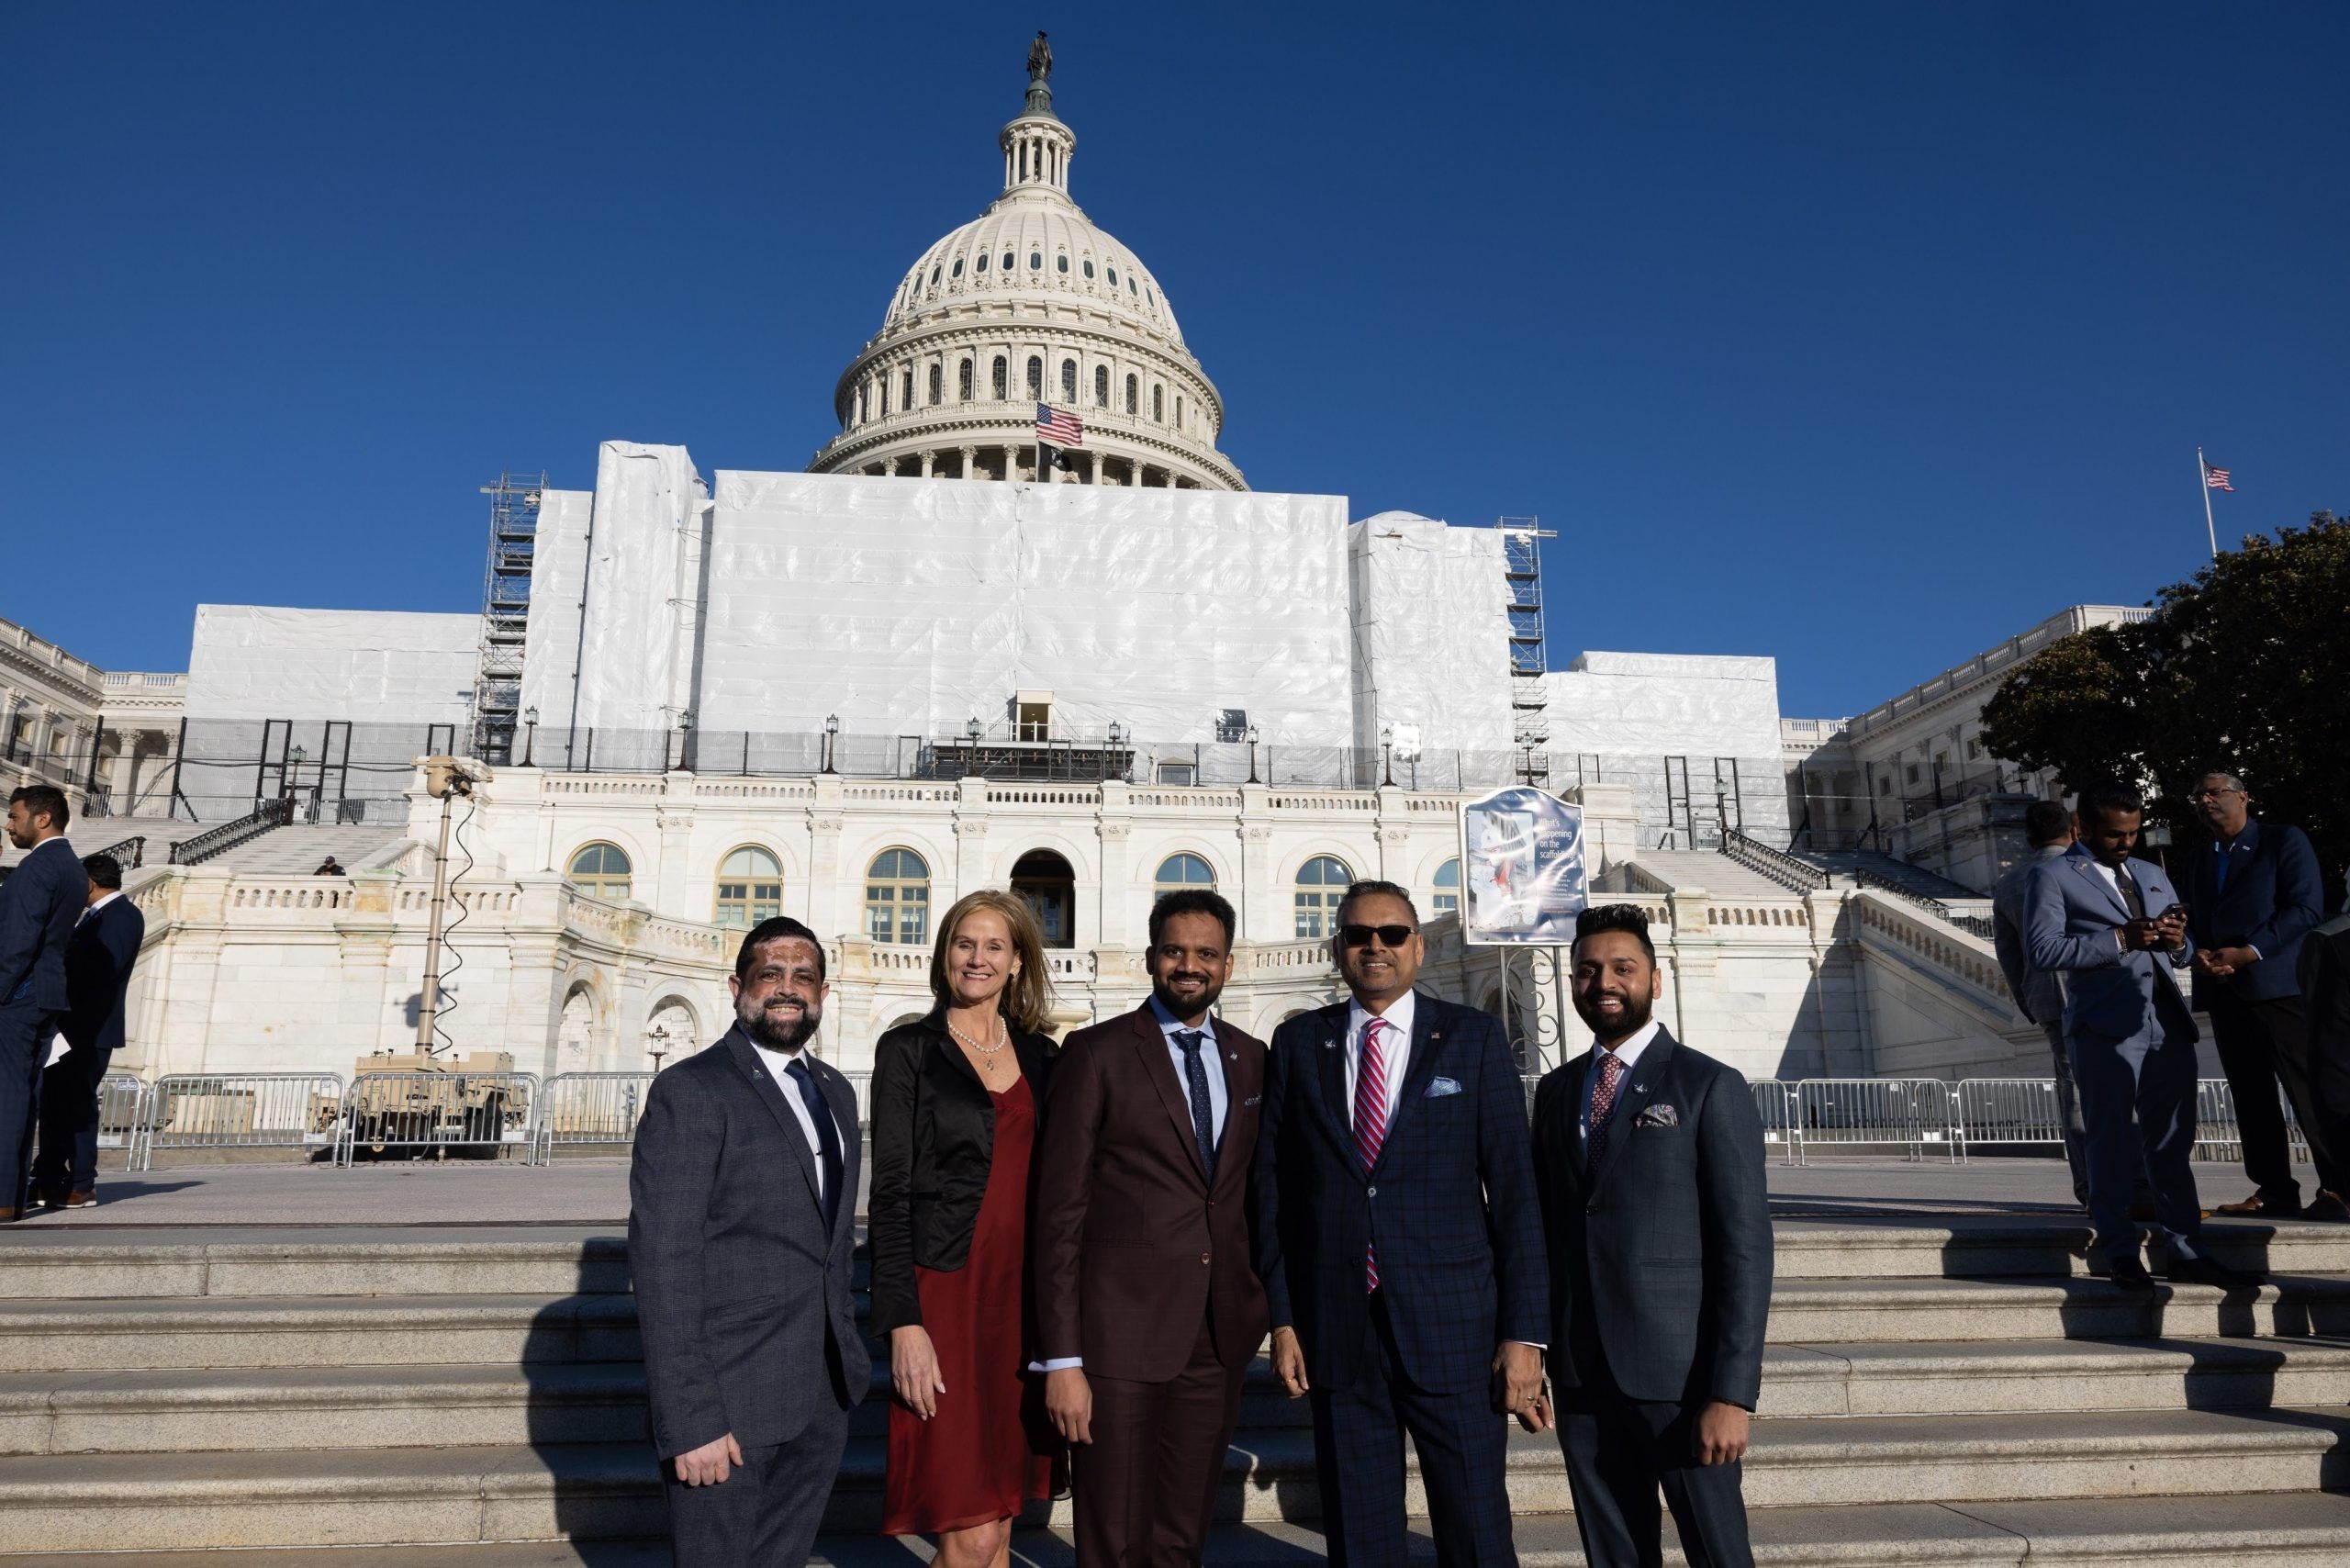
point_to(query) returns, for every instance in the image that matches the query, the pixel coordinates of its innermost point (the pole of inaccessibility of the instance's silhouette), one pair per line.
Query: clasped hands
(2219, 963)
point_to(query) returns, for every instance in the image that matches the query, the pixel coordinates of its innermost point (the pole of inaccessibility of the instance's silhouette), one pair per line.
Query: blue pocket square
(1442, 1086)
(1657, 1116)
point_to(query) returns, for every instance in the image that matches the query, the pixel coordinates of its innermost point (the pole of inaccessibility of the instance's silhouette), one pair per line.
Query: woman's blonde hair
(1027, 1001)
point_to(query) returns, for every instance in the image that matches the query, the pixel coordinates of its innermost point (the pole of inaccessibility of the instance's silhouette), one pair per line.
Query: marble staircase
(1936, 1390)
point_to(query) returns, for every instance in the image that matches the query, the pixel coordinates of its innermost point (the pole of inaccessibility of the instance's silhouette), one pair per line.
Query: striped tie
(1371, 1118)
(1603, 1106)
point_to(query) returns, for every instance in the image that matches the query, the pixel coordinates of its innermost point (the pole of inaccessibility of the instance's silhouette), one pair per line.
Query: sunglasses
(1361, 935)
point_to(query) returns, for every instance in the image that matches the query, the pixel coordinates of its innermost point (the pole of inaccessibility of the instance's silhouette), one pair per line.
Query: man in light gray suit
(2113, 928)
(740, 1233)
(2040, 996)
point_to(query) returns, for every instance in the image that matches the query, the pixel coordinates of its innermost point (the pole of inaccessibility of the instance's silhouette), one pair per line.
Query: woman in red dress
(955, 1104)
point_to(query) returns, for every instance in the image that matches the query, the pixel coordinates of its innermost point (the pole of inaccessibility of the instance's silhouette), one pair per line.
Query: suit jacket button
(1370, 1192)
(1203, 1256)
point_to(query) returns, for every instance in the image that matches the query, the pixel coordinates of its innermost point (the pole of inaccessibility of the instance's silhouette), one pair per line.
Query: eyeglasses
(2212, 794)
(1389, 936)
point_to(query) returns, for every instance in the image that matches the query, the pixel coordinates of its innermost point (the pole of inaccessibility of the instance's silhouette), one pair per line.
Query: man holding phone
(2114, 927)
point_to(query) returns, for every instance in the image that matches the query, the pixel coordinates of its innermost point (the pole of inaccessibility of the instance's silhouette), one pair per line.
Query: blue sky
(1860, 335)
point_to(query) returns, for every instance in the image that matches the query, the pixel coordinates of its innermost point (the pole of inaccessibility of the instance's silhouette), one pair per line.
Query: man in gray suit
(42, 897)
(2113, 926)
(2040, 995)
(740, 1234)
(1647, 1157)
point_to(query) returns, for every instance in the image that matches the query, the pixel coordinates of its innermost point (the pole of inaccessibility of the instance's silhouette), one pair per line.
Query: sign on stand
(1522, 872)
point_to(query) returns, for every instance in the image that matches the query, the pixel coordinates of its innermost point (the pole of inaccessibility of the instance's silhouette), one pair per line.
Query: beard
(1183, 1007)
(777, 1031)
(1625, 1024)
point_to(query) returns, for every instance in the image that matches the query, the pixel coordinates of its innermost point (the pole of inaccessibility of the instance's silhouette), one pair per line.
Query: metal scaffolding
(505, 611)
(1530, 692)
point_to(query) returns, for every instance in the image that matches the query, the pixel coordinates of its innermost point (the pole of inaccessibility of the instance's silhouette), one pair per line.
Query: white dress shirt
(778, 1063)
(1395, 1047)
(1629, 1053)
(99, 905)
(1219, 1097)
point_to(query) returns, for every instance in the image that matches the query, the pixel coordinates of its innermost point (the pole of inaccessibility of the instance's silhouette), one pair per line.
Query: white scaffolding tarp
(1431, 636)
(1666, 704)
(259, 662)
(551, 638)
(911, 606)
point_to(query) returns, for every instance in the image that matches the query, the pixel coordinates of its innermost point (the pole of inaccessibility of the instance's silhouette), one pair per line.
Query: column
(826, 908)
(926, 461)
(970, 461)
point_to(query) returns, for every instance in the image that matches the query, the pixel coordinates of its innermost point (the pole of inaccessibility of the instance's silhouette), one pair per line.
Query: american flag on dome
(1059, 427)
(2217, 479)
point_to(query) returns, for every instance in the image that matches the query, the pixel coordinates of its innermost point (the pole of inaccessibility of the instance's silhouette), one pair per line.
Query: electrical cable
(446, 1003)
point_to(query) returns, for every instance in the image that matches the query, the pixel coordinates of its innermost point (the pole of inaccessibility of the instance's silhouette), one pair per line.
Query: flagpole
(2203, 476)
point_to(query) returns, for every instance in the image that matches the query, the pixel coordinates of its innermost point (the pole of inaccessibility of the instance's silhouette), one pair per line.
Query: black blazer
(2274, 892)
(41, 898)
(742, 1297)
(1660, 1259)
(934, 1143)
(98, 958)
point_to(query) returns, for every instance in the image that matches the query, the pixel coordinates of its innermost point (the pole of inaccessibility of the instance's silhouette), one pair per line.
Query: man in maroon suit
(1147, 1309)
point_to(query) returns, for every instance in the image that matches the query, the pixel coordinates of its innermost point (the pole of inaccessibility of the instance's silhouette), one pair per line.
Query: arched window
(1089, 266)
(1180, 871)
(983, 265)
(934, 278)
(600, 870)
(1007, 261)
(1157, 405)
(958, 268)
(1446, 899)
(1003, 379)
(864, 401)
(1114, 278)
(1036, 260)
(963, 381)
(1101, 385)
(885, 395)
(750, 886)
(937, 380)
(906, 389)
(1321, 883)
(1044, 882)
(1068, 381)
(1130, 284)
(897, 898)
(1061, 262)
(1133, 392)
(1178, 410)
(1036, 375)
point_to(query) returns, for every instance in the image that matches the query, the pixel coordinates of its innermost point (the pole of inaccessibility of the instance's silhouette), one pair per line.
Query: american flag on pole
(1059, 427)
(2216, 479)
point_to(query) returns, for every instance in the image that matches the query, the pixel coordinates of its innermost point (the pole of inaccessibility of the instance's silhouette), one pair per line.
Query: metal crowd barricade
(237, 1109)
(476, 1114)
(121, 1097)
(2008, 1110)
(1913, 1115)
(2219, 1136)
(577, 1109)
(1775, 1103)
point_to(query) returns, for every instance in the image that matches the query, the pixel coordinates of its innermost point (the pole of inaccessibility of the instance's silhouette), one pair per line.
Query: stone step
(315, 1332)
(1878, 1311)
(68, 1262)
(2267, 1530)
(307, 1497)
(203, 1409)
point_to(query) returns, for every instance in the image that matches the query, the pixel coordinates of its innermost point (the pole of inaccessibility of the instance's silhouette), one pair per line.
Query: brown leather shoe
(2328, 1206)
(2260, 1206)
(89, 1198)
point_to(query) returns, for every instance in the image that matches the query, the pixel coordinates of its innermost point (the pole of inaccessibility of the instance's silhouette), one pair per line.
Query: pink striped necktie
(1371, 1117)
(1603, 1106)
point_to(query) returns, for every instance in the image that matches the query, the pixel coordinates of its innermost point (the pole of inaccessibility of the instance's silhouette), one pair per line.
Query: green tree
(2245, 664)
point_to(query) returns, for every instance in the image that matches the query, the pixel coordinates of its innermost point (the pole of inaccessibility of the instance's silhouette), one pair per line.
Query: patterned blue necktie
(1196, 1079)
(828, 1136)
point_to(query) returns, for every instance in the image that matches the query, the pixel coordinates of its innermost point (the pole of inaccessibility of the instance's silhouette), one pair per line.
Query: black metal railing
(1974, 924)
(130, 853)
(219, 840)
(1800, 876)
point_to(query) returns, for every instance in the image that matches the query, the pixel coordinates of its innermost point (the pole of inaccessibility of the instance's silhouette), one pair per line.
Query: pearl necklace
(1003, 1037)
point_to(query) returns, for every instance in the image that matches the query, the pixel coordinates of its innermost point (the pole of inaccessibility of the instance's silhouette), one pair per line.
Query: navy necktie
(828, 1136)
(1195, 1080)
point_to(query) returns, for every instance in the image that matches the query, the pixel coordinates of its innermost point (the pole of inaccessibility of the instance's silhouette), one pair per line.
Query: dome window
(958, 267)
(1036, 260)
(1007, 261)
(1114, 278)
(934, 278)
(937, 387)
(906, 388)
(1130, 284)
(1089, 266)
(1100, 384)
(1061, 262)
(1068, 381)
(1036, 375)
(1003, 379)
(1151, 296)
(1132, 393)
(1157, 405)
(983, 265)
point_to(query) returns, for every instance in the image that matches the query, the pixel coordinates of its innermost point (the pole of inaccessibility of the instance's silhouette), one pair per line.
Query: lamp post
(1386, 755)
(1252, 753)
(686, 741)
(656, 1044)
(2156, 837)
(530, 732)
(832, 738)
(1118, 745)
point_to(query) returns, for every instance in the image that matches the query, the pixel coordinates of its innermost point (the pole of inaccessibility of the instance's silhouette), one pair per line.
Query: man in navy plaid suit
(1399, 1243)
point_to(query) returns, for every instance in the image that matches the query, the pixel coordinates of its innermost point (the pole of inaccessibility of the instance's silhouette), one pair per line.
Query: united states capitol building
(925, 662)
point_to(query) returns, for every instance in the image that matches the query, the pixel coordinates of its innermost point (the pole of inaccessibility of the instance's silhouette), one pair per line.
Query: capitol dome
(1030, 303)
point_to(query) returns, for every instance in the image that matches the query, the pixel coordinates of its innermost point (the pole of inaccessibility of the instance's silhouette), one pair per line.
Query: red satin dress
(991, 1449)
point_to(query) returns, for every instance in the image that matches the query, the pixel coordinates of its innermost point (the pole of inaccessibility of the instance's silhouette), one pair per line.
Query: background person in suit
(1399, 1243)
(98, 959)
(2250, 897)
(1648, 1158)
(2324, 974)
(1148, 1310)
(2111, 924)
(742, 1199)
(39, 904)
(2040, 994)
(954, 1111)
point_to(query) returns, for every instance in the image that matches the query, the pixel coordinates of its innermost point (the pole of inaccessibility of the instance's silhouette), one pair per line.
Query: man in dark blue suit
(1649, 1160)
(2251, 896)
(1399, 1244)
(39, 903)
(98, 959)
